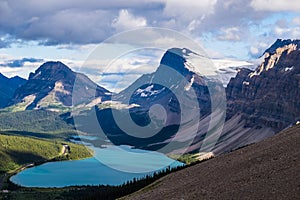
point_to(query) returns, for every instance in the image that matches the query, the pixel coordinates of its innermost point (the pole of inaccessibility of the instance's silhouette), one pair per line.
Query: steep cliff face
(270, 95)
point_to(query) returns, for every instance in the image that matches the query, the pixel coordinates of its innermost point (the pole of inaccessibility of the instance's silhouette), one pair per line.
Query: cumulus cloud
(55, 22)
(117, 83)
(257, 49)
(232, 13)
(287, 32)
(188, 9)
(74, 23)
(118, 73)
(276, 5)
(254, 51)
(69, 26)
(296, 21)
(230, 34)
(287, 29)
(126, 21)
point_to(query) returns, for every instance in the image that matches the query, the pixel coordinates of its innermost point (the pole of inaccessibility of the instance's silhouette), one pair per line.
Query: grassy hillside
(16, 151)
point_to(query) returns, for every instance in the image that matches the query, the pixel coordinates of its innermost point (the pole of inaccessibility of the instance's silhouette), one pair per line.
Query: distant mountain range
(8, 86)
(260, 102)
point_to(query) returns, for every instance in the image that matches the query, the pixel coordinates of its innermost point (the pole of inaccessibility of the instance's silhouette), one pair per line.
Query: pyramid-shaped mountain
(51, 86)
(170, 102)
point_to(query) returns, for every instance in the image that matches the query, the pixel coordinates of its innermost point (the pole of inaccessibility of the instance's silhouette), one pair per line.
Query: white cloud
(213, 54)
(71, 23)
(280, 31)
(226, 63)
(116, 83)
(188, 9)
(296, 21)
(193, 25)
(230, 34)
(257, 49)
(289, 29)
(22, 72)
(54, 22)
(254, 50)
(117, 73)
(126, 21)
(276, 5)
(293, 33)
(131, 66)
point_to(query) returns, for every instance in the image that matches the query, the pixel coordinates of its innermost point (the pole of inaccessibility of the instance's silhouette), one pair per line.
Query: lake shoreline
(107, 192)
(6, 183)
(115, 166)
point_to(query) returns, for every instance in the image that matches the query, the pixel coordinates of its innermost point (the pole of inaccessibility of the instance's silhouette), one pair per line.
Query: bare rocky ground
(266, 170)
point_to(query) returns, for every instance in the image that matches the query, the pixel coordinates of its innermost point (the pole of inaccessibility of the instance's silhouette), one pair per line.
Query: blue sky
(32, 31)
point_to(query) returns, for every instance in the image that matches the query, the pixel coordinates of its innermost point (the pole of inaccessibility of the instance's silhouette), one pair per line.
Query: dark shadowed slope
(8, 86)
(266, 170)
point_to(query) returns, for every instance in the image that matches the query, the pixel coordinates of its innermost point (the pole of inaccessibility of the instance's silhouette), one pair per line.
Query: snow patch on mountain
(188, 86)
(148, 91)
(288, 69)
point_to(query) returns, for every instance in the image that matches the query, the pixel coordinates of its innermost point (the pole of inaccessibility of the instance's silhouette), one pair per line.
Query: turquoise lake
(113, 165)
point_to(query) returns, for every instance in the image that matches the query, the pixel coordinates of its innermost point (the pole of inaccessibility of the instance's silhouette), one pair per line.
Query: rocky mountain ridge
(51, 86)
(270, 95)
(281, 43)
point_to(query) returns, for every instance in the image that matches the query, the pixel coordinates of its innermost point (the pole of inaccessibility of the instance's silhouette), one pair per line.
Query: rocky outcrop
(281, 43)
(270, 95)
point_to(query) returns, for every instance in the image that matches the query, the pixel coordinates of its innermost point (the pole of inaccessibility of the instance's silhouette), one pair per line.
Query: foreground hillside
(266, 170)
